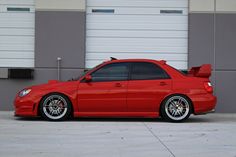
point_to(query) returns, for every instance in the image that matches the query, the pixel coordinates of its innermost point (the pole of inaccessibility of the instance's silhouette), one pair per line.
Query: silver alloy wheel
(55, 107)
(177, 108)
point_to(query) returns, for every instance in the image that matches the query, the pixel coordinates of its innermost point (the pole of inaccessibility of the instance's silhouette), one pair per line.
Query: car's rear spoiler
(201, 71)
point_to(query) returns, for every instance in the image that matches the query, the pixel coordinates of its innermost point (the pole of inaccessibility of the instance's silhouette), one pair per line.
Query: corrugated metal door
(17, 33)
(155, 29)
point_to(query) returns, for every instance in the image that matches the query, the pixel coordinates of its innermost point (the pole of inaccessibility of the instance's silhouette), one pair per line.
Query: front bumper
(203, 103)
(25, 107)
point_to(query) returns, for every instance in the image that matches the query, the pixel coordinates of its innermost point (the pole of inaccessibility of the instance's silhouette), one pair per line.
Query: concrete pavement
(206, 135)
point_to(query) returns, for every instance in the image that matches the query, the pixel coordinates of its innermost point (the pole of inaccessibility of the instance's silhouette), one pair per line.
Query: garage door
(16, 33)
(155, 29)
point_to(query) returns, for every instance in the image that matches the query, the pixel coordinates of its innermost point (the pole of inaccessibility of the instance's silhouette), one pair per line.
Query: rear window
(183, 72)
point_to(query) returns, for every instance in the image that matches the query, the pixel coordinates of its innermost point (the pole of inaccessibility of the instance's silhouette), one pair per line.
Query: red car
(122, 88)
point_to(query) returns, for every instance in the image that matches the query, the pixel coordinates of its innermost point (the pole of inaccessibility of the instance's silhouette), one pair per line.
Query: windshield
(84, 73)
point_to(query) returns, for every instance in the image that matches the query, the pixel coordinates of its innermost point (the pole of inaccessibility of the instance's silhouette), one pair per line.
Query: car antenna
(113, 58)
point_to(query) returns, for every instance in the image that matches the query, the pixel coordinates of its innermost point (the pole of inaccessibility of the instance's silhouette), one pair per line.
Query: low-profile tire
(55, 107)
(176, 108)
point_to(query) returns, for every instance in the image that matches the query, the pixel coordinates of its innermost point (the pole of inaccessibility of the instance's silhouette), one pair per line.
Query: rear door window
(147, 71)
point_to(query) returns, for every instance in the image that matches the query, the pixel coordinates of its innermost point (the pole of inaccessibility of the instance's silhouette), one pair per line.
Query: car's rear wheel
(55, 107)
(176, 108)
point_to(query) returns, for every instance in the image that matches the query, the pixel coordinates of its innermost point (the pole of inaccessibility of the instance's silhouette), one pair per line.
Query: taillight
(208, 87)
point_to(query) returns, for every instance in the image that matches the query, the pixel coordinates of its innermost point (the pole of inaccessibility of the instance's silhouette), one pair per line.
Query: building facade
(42, 40)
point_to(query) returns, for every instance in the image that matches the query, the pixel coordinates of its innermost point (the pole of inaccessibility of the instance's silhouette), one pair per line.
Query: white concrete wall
(209, 5)
(201, 5)
(60, 5)
(226, 5)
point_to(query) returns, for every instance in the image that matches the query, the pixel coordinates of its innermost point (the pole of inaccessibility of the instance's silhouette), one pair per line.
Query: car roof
(136, 60)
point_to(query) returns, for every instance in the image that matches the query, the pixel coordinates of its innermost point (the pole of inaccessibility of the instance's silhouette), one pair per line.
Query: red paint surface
(138, 98)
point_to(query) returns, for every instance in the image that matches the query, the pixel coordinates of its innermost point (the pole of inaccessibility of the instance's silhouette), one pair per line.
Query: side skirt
(117, 114)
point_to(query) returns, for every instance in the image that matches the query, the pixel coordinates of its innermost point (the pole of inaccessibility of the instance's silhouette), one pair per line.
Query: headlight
(24, 92)
(209, 83)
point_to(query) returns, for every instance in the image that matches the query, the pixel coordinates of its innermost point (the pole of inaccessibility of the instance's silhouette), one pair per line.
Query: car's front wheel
(55, 107)
(176, 108)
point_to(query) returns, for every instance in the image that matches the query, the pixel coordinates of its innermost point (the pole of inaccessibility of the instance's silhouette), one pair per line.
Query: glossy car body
(121, 98)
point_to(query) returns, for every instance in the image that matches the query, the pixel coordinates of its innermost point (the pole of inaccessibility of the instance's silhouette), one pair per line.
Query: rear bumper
(203, 103)
(201, 113)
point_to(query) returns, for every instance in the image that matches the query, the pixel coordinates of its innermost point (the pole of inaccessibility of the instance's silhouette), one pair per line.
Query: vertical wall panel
(225, 91)
(201, 39)
(60, 34)
(225, 41)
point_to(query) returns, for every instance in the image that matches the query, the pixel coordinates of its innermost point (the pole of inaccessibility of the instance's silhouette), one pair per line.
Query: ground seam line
(150, 130)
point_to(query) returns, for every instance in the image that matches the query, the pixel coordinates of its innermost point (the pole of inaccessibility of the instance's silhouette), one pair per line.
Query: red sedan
(122, 88)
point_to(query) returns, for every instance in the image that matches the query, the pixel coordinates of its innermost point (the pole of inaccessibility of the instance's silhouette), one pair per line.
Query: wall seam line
(214, 47)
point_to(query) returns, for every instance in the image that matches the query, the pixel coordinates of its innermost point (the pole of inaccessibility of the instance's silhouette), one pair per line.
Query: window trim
(130, 66)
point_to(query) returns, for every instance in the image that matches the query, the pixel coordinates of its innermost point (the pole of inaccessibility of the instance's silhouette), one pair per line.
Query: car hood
(67, 87)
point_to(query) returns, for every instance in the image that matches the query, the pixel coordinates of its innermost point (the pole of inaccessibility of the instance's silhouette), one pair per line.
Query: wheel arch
(174, 94)
(60, 93)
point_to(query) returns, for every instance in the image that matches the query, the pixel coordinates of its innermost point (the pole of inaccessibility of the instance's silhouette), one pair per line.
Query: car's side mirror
(88, 78)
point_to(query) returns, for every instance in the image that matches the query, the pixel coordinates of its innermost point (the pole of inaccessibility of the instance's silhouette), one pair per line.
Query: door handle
(163, 83)
(118, 85)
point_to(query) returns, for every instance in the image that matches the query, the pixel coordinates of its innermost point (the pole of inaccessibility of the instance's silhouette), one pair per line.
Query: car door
(106, 92)
(147, 87)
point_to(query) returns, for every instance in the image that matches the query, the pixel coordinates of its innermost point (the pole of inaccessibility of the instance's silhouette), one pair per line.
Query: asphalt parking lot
(205, 135)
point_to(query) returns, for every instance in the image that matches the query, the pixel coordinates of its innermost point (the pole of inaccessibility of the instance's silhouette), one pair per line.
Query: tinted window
(147, 71)
(111, 72)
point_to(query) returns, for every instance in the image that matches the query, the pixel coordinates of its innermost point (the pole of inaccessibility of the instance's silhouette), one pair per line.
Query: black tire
(55, 107)
(173, 110)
